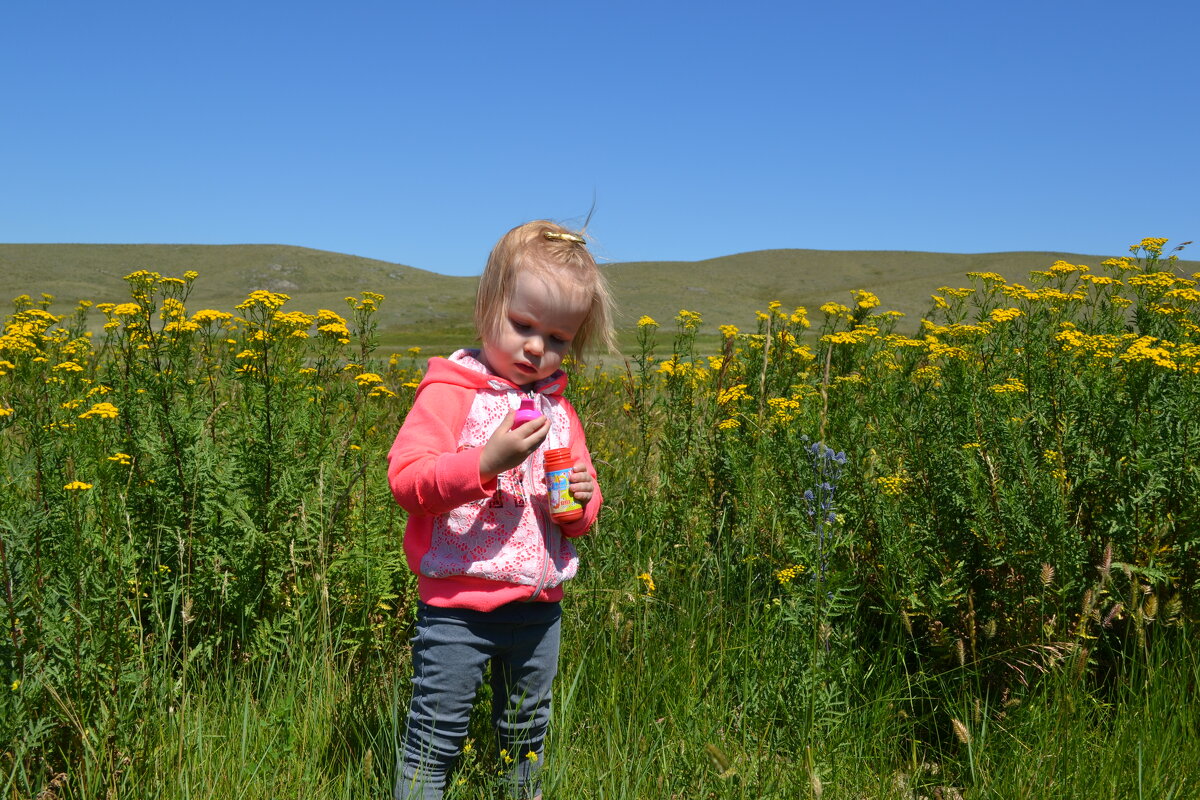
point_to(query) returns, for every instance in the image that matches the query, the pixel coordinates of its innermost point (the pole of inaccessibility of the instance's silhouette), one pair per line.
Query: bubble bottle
(563, 507)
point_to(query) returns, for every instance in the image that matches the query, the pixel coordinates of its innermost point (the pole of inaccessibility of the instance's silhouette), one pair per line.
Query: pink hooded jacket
(472, 544)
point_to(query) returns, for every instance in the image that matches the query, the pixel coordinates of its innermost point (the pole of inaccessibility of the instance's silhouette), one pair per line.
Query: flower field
(836, 559)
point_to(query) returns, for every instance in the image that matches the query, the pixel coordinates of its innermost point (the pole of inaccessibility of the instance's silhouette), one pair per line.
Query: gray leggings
(451, 648)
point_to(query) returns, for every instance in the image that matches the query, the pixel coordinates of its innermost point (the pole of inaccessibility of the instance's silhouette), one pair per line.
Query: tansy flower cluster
(1010, 386)
(688, 320)
(894, 485)
(333, 326)
(101, 411)
(788, 574)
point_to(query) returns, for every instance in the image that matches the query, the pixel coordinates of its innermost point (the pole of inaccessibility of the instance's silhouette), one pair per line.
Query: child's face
(535, 335)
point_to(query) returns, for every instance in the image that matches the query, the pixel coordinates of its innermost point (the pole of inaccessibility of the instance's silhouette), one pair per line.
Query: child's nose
(535, 346)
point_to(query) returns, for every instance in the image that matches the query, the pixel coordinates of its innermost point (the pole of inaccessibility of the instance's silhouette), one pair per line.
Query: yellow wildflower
(1061, 267)
(1154, 280)
(929, 372)
(896, 341)
(865, 299)
(293, 319)
(1123, 263)
(1057, 466)
(332, 325)
(261, 298)
(77, 486)
(370, 301)
(787, 574)
(894, 485)
(171, 308)
(841, 337)
(1186, 295)
(860, 335)
(1145, 349)
(732, 395)
(1010, 386)
(1005, 314)
(181, 326)
(101, 410)
(785, 409)
(647, 579)
(1151, 245)
(987, 277)
(688, 320)
(208, 316)
(939, 350)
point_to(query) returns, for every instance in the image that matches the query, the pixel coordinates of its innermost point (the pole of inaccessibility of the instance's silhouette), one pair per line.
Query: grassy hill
(435, 310)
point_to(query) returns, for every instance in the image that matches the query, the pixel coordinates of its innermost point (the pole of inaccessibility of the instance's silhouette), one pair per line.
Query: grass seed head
(961, 731)
(1150, 608)
(1112, 614)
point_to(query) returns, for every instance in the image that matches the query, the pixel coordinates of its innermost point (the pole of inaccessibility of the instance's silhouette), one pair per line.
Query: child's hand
(509, 447)
(582, 484)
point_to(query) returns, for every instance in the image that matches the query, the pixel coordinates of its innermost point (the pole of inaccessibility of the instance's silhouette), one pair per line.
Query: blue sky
(419, 132)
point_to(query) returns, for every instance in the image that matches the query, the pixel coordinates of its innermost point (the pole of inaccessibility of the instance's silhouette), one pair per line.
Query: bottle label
(559, 484)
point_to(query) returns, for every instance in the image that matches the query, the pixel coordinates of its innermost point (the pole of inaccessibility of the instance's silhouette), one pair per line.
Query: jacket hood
(463, 368)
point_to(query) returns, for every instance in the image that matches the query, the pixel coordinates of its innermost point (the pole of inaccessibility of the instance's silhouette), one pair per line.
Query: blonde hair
(555, 254)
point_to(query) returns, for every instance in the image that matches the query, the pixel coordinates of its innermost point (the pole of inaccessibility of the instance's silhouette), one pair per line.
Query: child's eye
(558, 340)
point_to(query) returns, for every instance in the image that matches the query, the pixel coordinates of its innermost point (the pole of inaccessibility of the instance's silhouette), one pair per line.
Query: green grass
(987, 588)
(674, 697)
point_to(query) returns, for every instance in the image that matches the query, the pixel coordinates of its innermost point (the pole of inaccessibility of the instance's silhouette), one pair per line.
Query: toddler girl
(489, 560)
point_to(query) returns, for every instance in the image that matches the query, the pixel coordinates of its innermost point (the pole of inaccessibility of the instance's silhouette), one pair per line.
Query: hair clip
(566, 237)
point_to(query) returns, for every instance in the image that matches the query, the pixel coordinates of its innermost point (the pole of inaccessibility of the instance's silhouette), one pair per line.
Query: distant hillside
(731, 288)
(425, 307)
(312, 278)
